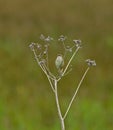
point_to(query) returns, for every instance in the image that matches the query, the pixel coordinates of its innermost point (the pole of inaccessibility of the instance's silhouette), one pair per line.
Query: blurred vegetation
(26, 100)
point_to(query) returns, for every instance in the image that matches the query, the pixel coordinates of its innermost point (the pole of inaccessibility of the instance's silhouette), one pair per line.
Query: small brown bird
(59, 62)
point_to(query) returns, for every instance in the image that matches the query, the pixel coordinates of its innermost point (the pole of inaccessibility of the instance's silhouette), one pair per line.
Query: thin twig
(68, 72)
(70, 61)
(44, 70)
(38, 61)
(49, 79)
(65, 51)
(75, 93)
(50, 74)
(58, 107)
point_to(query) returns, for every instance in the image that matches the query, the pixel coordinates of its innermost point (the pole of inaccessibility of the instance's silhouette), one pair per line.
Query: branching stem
(44, 70)
(53, 80)
(76, 92)
(70, 61)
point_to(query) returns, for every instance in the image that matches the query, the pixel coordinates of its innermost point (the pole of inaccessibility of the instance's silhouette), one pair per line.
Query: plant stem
(70, 61)
(44, 70)
(50, 83)
(58, 107)
(76, 92)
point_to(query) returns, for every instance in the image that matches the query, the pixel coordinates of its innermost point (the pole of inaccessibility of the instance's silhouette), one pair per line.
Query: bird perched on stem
(59, 63)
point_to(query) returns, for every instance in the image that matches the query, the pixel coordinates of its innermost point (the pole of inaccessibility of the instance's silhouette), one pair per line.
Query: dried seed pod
(91, 62)
(32, 46)
(42, 37)
(77, 43)
(62, 38)
(48, 39)
(39, 46)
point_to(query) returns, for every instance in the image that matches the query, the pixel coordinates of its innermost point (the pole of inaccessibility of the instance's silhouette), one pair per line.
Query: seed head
(32, 45)
(77, 43)
(91, 62)
(39, 46)
(42, 37)
(48, 39)
(62, 38)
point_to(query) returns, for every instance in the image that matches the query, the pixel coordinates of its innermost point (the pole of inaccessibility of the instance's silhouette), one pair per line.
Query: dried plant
(41, 55)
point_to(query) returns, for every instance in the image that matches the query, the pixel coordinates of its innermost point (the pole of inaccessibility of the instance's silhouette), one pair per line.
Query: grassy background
(26, 100)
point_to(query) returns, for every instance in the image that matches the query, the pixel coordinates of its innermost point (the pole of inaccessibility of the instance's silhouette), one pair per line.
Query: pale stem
(64, 49)
(76, 92)
(58, 107)
(38, 60)
(49, 79)
(50, 74)
(47, 59)
(44, 70)
(70, 61)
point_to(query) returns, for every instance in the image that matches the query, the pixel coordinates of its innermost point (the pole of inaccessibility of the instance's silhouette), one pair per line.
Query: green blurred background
(26, 100)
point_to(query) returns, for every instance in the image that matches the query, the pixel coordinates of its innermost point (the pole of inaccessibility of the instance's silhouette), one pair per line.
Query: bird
(59, 63)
